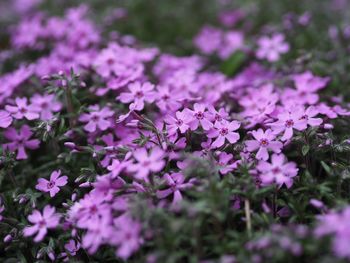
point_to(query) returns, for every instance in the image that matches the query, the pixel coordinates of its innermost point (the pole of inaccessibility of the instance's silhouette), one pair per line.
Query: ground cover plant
(174, 131)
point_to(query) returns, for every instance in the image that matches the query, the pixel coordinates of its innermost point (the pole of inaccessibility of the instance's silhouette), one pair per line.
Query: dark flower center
(110, 61)
(224, 131)
(179, 122)
(44, 105)
(139, 94)
(50, 184)
(264, 142)
(199, 115)
(42, 223)
(22, 110)
(276, 170)
(218, 117)
(289, 123)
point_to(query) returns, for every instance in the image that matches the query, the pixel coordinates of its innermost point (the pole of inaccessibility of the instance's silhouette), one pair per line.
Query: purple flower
(5, 119)
(176, 183)
(199, 116)
(224, 130)
(338, 224)
(45, 105)
(127, 236)
(23, 110)
(309, 114)
(20, 141)
(271, 48)
(287, 121)
(96, 118)
(53, 185)
(138, 95)
(278, 171)
(41, 223)
(224, 163)
(263, 141)
(179, 122)
(147, 163)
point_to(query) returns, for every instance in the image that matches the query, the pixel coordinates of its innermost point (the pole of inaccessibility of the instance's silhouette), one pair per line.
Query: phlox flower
(309, 116)
(53, 185)
(127, 236)
(271, 48)
(278, 171)
(180, 122)
(264, 141)
(287, 122)
(46, 105)
(20, 141)
(41, 223)
(224, 130)
(226, 164)
(21, 109)
(176, 183)
(97, 118)
(138, 94)
(198, 116)
(147, 163)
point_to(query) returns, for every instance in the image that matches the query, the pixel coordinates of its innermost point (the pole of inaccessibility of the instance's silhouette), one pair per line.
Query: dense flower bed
(114, 149)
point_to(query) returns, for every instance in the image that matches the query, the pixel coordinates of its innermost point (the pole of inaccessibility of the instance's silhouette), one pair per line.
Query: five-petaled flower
(53, 185)
(41, 223)
(263, 141)
(138, 95)
(224, 130)
(97, 118)
(21, 109)
(278, 171)
(147, 163)
(271, 48)
(20, 141)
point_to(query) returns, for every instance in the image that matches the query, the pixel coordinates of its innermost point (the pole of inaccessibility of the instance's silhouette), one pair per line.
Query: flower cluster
(104, 141)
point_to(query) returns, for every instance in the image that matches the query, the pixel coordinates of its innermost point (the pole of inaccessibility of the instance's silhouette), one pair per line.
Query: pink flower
(45, 105)
(5, 119)
(176, 183)
(309, 114)
(42, 222)
(199, 116)
(20, 141)
(127, 236)
(53, 185)
(272, 48)
(224, 163)
(263, 141)
(138, 95)
(287, 121)
(179, 122)
(224, 130)
(23, 110)
(147, 163)
(278, 171)
(96, 118)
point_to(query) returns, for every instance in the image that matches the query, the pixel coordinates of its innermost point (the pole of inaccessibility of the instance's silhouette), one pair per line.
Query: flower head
(41, 223)
(52, 185)
(97, 118)
(271, 48)
(20, 141)
(21, 109)
(224, 130)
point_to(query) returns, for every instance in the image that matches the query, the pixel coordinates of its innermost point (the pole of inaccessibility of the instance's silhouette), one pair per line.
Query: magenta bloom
(272, 48)
(41, 223)
(226, 164)
(278, 171)
(23, 110)
(46, 105)
(5, 119)
(176, 183)
(309, 114)
(179, 122)
(224, 130)
(20, 141)
(52, 186)
(287, 121)
(263, 141)
(138, 95)
(147, 163)
(199, 116)
(127, 236)
(96, 118)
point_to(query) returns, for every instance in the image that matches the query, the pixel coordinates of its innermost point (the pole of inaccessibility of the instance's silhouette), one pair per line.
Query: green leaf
(305, 149)
(233, 63)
